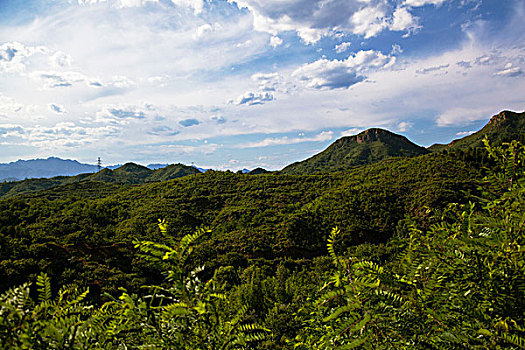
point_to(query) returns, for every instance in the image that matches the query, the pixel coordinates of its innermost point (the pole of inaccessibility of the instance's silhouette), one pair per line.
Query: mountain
(127, 174)
(259, 171)
(368, 147)
(38, 168)
(156, 166)
(502, 127)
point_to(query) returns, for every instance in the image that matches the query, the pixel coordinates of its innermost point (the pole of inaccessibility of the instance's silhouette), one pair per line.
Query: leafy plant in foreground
(458, 285)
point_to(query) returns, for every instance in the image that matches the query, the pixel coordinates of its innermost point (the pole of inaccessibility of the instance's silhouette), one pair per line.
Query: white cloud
(404, 21)
(122, 82)
(343, 47)
(196, 5)
(432, 69)
(313, 19)
(254, 98)
(13, 56)
(60, 60)
(267, 82)
(465, 133)
(460, 115)
(276, 141)
(369, 21)
(417, 3)
(219, 119)
(509, 71)
(56, 108)
(55, 79)
(352, 131)
(404, 126)
(334, 74)
(275, 41)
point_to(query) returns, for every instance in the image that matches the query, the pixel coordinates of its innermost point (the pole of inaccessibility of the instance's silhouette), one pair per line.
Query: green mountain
(128, 174)
(502, 127)
(370, 146)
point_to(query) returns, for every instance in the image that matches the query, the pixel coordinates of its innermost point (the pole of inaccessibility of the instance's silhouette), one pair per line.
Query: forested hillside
(450, 277)
(127, 174)
(417, 252)
(369, 146)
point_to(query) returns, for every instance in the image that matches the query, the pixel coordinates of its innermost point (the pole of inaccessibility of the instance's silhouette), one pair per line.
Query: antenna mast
(99, 164)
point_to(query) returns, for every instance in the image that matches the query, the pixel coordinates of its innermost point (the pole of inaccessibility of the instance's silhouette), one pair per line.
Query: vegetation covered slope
(368, 147)
(77, 237)
(503, 127)
(457, 283)
(129, 174)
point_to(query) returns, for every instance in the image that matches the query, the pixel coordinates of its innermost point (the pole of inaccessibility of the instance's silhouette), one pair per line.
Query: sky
(227, 84)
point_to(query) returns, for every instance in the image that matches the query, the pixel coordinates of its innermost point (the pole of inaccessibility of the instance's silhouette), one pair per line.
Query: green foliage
(459, 285)
(185, 313)
(370, 146)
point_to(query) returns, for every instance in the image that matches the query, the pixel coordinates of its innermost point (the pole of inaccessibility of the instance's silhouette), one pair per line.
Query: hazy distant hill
(368, 147)
(38, 168)
(502, 127)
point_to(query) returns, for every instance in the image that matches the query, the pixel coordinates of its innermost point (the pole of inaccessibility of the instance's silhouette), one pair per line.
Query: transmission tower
(99, 164)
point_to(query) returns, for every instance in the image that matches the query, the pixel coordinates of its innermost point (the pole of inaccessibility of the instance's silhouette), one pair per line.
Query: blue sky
(239, 84)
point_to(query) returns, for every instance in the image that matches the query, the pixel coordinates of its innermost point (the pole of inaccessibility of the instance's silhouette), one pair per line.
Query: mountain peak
(373, 134)
(502, 127)
(367, 147)
(503, 117)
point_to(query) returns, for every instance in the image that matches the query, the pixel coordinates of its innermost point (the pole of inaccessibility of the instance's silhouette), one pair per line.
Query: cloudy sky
(231, 84)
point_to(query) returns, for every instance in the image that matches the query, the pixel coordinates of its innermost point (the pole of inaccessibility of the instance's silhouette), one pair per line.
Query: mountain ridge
(502, 127)
(367, 147)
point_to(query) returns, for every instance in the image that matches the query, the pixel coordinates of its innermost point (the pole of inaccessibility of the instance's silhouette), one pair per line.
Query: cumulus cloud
(189, 122)
(464, 64)
(9, 106)
(404, 21)
(509, 71)
(432, 69)
(13, 56)
(313, 19)
(56, 108)
(343, 47)
(254, 98)
(219, 119)
(55, 79)
(369, 21)
(465, 133)
(122, 82)
(335, 74)
(404, 126)
(275, 41)
(9, 130)
(196, 5)
(122, 113)
(267, 82)
(276, 141)
(417, 3)
(460, 115)
(351, 131)
(60, 60)
(163, 130)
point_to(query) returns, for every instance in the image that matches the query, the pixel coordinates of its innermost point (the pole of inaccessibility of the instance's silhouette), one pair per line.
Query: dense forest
(416, 251)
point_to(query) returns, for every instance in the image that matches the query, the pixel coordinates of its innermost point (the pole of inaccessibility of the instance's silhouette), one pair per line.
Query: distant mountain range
(53, 167)
(370, 146)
